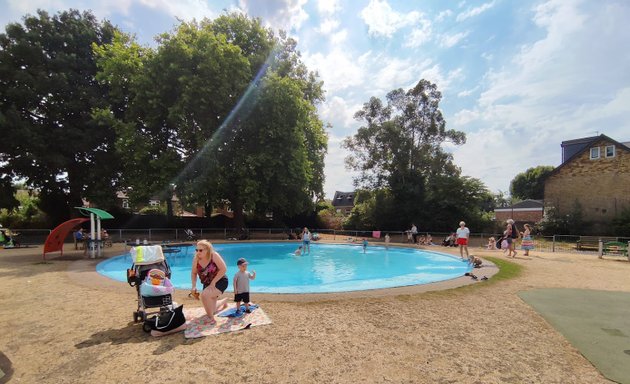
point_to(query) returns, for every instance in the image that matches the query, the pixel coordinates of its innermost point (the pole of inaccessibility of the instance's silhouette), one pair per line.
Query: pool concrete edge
(83, 272)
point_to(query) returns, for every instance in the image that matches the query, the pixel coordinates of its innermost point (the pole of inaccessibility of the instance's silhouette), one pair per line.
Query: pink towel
(376, 234)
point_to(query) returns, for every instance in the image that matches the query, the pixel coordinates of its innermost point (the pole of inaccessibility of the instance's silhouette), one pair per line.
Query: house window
(125, 203)
(154, 203)
(594, 153)
(610, 151)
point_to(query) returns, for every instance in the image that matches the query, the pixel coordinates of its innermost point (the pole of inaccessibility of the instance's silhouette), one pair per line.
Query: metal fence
(555, 243)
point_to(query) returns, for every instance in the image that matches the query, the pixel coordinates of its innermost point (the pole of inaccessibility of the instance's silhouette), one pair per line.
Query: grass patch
(507, 269)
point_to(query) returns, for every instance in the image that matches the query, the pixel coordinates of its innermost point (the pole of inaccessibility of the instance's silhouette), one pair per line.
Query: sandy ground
(63, 323)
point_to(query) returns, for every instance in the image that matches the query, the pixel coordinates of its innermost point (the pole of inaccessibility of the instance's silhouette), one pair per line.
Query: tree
(531, 183)
(171, 101)
(47, 93)
(399, 149)
(215, 121)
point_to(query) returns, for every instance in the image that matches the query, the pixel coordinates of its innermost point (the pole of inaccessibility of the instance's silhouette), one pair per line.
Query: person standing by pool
(387, 239)
(306, 241)
(414, 233)
(462, 239)
(512, 235)
(527, 243)
(241, 285)
(211, 269)
(365, 244)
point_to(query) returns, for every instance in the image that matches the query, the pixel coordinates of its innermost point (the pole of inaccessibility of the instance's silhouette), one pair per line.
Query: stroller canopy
(147, 254)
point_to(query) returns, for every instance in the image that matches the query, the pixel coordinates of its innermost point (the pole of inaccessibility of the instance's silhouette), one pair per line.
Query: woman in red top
(211, 269)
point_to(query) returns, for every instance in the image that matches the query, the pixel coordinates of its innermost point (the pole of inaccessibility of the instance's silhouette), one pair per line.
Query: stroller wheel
(142, 316)
(146, 327)
(135, 316)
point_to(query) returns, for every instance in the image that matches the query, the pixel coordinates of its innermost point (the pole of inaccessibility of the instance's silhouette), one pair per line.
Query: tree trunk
(169, 206)
(239, 216)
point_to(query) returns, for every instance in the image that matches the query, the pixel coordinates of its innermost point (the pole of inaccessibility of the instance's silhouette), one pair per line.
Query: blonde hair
(207, 245)
(510, 221)
(462, 223)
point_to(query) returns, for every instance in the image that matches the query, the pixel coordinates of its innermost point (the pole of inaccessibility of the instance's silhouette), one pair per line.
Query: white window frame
(613, 150)
(592, 155)
(154, 203)
(125, 203)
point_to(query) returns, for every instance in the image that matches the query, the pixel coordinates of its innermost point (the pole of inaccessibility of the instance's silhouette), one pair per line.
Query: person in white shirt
(414, 233)
(462, 239)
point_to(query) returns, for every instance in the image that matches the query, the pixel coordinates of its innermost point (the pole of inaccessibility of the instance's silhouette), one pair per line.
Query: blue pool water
(328, 268)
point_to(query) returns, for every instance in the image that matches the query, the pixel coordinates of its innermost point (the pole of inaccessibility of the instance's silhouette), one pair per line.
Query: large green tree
(223, 111)
(48, 91)
(531, 183)
(399, 148)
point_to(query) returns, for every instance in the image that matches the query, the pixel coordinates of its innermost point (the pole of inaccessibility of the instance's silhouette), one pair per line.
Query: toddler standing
(241, 285)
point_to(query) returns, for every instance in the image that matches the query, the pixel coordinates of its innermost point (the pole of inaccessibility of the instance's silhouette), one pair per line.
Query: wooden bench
(591, 243)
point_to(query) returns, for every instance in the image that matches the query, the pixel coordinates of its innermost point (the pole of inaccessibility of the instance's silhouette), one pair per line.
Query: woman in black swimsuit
(211, 269)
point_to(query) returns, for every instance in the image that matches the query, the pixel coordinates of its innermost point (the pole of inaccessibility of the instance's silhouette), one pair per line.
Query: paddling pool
(328, 267)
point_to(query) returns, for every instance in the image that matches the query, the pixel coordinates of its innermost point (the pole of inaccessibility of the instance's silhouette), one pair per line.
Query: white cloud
(471, 12)
(382, 20)
(101, 9)
(328, 25)
(566, 85)
(419, 35)
(184, 9)
(328, 7)
(434, 74)
(467, 92)
(338, 178)
(287, 15)
(339, 112)
(443, 15)
(338, 68)
(339, 37)
(449, 41)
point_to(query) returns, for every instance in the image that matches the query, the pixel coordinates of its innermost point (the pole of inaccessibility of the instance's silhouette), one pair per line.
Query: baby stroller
(150, 274)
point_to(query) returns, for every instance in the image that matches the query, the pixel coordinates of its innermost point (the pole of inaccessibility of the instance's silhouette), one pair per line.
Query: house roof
(529, 203)
(343, 199)
(587, 143)
(524, 205)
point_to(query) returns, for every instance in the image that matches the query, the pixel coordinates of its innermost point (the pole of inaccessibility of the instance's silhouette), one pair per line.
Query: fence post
(553, 244)
(628, 250)
(600, 249)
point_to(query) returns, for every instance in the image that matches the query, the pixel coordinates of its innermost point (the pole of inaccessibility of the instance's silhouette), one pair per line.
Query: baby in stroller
(150, 274)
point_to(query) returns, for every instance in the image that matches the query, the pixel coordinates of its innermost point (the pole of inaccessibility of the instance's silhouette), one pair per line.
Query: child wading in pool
(241, 285)
(365, 244)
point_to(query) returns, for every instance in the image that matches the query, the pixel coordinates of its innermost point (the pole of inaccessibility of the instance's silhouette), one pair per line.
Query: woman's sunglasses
(199, 250)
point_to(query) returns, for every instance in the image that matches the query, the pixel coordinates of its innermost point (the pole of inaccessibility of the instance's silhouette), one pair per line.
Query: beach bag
(166, 320)
(504, 244)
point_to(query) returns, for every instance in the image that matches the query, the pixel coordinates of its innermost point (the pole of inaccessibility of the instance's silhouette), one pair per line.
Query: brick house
(343, 202)
(526, 211)
(595, 172)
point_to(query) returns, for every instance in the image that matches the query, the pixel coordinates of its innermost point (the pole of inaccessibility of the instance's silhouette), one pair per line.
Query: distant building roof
(525, 205)
(571, 148)
(343, 199)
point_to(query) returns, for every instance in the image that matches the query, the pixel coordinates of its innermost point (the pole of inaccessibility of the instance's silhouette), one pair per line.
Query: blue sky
(518, 77)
